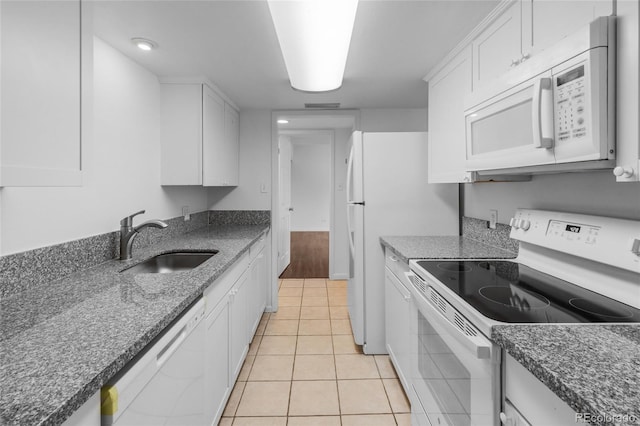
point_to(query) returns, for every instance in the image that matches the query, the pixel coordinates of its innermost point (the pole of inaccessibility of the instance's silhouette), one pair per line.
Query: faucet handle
(128, 221)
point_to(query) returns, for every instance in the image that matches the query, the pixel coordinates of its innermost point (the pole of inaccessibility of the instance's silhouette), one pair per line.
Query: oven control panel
(603, 239)
(569, 231)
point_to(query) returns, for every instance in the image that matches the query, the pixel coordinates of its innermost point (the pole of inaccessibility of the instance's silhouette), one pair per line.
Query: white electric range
(571, 268)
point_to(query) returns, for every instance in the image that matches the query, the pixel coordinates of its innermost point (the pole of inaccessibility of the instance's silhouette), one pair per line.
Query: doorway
(308, 154)
(338, 125)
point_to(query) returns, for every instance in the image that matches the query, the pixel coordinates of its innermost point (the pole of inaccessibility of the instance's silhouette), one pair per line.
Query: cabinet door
(213, 138)
(447, 90)
(239, 340)
(397, 326)
(498, 47)
(544, 22)
(181, 136)
(257, 293)
(217, 379)
(232, 144)
(41, 90)
(628, 96)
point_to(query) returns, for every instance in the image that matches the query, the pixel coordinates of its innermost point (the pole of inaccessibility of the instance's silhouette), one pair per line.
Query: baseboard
(342, 276)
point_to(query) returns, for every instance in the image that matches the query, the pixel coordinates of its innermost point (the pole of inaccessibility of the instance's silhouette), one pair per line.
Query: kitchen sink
(171, 262)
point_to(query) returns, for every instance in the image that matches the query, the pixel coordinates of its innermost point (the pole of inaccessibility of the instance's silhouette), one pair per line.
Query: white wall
(393, 120)
(339, 265)
(311, 183)
(255, 166)
(594, 193)
(121, 170)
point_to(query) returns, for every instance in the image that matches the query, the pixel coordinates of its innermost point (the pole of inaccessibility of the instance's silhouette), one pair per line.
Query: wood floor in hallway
(304, 368)
(309, 255)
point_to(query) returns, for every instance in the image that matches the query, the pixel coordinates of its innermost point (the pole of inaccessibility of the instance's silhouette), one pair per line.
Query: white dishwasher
(165, 385)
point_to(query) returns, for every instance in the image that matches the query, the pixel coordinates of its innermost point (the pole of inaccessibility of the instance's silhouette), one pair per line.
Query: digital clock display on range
(572, 228)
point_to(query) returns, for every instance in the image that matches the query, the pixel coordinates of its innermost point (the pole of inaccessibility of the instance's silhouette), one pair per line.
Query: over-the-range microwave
(555, 112)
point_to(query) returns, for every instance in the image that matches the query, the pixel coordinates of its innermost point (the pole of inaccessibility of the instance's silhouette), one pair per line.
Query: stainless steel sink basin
(171, 262)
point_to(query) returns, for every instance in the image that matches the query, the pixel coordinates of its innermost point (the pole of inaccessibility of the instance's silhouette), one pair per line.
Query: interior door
(284, 233)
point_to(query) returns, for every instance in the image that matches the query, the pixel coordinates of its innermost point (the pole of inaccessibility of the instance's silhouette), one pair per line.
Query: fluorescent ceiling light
(314, 37)
(144, 44)
(283, 121)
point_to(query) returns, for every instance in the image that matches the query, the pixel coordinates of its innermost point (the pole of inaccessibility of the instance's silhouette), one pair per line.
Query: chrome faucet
(128, 232)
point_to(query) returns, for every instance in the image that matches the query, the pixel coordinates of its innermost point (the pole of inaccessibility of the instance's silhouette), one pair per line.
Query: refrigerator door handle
(352, 246)
(349, 175)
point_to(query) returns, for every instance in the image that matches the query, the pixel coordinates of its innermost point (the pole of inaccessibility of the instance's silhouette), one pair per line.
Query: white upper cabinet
(447, 90)
(498, 47)
(232, 145)
(195, 142)
(527, 27)
(514, 32)
(545, 22)
(43, 56)
(628, 94)
(214, 146)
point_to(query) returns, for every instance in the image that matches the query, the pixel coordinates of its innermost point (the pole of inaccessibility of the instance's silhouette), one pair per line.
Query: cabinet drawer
(257, 247)
(395, 264)
(221, 286)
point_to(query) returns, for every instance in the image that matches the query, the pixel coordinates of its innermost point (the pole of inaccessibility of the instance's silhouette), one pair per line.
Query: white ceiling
(233, 43)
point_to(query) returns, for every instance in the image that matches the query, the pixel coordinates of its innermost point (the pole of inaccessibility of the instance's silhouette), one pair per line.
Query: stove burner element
(515, 298)
(454, 267)
(601, 309)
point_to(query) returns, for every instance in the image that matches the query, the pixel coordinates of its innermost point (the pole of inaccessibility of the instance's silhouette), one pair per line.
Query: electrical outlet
(493, 218)
(185, 213)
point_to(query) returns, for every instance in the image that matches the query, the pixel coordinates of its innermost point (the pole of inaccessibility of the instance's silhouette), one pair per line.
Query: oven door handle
(476, 344)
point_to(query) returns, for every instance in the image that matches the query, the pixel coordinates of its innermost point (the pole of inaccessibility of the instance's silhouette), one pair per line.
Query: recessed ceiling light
(283, 121)
(144, 44)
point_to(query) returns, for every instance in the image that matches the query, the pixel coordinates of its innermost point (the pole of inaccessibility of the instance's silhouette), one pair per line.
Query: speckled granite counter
(443, 247)
(61, 341)
(595, 369)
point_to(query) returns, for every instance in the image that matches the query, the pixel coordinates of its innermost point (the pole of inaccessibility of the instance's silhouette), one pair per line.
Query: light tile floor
(304, 369)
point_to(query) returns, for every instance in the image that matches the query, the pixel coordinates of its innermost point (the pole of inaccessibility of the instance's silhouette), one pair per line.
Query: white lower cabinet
(398, 319)
(217, 378)
(238, 336)
(521, 409)
(235, 303)
(257, 286)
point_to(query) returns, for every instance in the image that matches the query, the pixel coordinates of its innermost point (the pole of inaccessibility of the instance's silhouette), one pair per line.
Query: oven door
(455, 372)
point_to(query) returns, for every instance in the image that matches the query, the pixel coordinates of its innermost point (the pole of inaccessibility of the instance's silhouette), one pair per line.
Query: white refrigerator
(388, 194)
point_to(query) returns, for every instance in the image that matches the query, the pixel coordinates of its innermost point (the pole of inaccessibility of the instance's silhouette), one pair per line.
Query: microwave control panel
(571, 104)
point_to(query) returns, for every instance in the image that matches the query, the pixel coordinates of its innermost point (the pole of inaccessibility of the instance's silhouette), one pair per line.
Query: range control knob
(634, 246)
(525, 224)
(513, 223)
(626, 171)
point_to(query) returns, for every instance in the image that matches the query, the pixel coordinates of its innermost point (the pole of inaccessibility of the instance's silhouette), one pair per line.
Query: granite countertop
(60, 342)
(595, 369)
(443, 247)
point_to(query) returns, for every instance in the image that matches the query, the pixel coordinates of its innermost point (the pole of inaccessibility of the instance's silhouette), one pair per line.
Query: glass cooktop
(512, 292)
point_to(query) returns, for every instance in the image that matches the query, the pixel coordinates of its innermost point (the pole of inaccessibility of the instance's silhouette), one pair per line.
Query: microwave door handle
(542, 112)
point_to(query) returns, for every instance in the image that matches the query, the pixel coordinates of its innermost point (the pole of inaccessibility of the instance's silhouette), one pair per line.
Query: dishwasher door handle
(171, 347)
